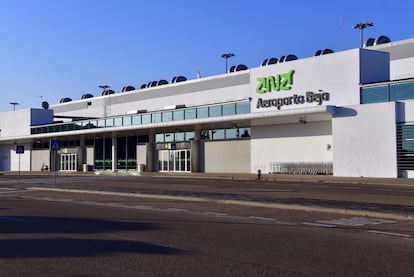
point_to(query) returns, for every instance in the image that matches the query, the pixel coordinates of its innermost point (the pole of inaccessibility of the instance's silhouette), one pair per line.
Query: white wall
(364, 141)
(227, 156)
(339, 74)
(25, 158)
(290, 143)
(402, 69)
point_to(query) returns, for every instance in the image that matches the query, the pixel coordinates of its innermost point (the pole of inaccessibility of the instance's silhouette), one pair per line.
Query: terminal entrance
(68, 162)
(174, 160)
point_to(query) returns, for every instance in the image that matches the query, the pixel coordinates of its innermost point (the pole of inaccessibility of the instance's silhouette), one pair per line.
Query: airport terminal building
(348, 113)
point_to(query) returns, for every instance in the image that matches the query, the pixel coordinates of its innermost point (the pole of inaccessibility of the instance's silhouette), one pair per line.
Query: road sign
(19, 149)
(55, 144)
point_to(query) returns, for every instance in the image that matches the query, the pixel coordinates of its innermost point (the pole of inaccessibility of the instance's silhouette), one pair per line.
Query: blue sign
(55, 144)
(19, 149)
(173, 146)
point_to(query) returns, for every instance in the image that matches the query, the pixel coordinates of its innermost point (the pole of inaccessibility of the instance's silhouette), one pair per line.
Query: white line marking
(262, 218)
(389, 234)
(215, 214)
(176, 210)
(318, 224)
(14, 219)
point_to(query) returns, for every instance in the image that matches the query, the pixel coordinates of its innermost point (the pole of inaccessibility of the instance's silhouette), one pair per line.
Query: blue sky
(52, 49)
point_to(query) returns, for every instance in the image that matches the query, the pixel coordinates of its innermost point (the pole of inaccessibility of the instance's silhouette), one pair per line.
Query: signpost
(20, 151)
(55, 145)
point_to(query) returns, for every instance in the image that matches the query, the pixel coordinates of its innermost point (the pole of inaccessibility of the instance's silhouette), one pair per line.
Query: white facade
(303, 117)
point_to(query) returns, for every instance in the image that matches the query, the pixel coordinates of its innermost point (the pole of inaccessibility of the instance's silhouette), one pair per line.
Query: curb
(292, 207)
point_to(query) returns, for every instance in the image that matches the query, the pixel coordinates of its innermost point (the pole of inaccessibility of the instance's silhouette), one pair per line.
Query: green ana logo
(275, 83)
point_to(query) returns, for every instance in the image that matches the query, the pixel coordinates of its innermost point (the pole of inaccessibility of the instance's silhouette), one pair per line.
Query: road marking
(215, 214)
(14, 219)
(176, 210)
(389, 234)
(262, 218)
(318, 224)
(356, 221)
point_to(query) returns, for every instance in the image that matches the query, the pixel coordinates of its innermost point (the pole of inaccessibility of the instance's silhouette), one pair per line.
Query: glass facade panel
(244, 132)
(101, 123)
(190, 114)
(215, 111)
(229, 109)
(127, 120)
(146, 118)
(189, 135)
(243, 107)
(109, 122)
(202, 112)
(118, 122)
(136, 120)
(232, 133)
(178, 115)
(402, 91)
(206, 134)
(167, 116)
(169, 137)
(159, 138)
(156, 118)
(374, 95)
(218, 134)
(180, 136)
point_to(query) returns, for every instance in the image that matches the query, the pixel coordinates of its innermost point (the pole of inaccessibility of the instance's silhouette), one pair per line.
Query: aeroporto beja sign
(284, 82)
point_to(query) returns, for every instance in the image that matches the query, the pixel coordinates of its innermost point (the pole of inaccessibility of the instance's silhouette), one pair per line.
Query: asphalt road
(52, 233)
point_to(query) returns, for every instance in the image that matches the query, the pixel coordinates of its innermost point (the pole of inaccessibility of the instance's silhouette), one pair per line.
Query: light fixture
(227, 56)
(361, 26)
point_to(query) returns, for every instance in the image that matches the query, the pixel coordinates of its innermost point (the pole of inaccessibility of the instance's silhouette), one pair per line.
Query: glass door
(68, 162)
(174, 161)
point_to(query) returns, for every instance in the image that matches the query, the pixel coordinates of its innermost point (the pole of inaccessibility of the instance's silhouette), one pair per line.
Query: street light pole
(227, 56)
(14, 105)
(361, 27)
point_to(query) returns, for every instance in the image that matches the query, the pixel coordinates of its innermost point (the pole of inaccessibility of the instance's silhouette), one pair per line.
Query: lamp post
(14, 105)
(361, 27)
(227, 56)
(104, 87)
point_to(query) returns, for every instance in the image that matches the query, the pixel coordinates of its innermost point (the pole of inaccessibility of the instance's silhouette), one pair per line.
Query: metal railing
(312, 168)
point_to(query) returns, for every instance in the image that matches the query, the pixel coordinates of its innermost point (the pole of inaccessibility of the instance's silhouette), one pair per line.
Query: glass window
(109, 122)
(169, 137)
(159, 138)
(180, 136)
(127, 120)
(243, 107)
(189, 135)
(136, 120)
(232, 133)
(118, 122)
(156, 118)
(218, 134)
(215, 111)
(146, 118)
(202, 112)
(206, 134)
(101, 123)
(167, 116)
(178, 115)
(229, 109)
(190, 114)
(402, 91)
(244, 132)
(374, 95)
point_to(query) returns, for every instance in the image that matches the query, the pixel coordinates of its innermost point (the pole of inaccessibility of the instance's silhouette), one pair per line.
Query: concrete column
(114, 153)
(195, 152)
(150, 152)
(81, 153)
